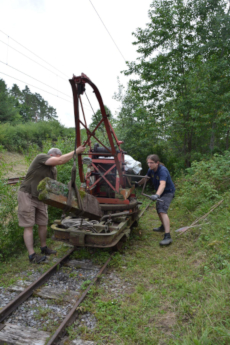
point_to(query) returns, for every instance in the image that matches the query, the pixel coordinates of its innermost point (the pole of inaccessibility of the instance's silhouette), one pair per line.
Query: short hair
(54, 152)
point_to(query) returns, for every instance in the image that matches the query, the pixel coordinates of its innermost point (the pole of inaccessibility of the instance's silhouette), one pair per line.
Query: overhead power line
(40, 88)
(107, 31)
(32, 60)
(35, 79)
(35, 87)
(7, 44)
(33, 53)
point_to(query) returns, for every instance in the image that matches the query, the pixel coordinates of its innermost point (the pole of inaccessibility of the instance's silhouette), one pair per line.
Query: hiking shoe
(36, 258)
(160, 229)
(166, 240)
(47, 251)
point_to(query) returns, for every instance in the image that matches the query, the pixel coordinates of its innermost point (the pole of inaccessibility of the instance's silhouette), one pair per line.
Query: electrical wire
(35, 79)
(7, 44)
(32, 60)
(38, 87)
(89, 103)
(35, 87)
(33, 53)
(107, 31)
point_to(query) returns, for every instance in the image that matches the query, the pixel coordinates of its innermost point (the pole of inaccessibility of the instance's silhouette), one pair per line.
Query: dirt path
(13, 164)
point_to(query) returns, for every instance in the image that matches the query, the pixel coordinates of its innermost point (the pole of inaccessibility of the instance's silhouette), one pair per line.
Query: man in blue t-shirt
(165, 190)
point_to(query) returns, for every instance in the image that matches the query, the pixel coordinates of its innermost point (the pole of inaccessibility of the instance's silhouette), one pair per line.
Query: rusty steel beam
(70, 318)
(14, 180)
(13, 305)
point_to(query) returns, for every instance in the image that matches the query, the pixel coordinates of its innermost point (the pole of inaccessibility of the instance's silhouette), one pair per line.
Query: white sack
(132, 166)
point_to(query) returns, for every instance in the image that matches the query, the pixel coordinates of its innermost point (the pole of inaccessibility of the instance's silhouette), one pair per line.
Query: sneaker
(36, 258)
(166, 240)
(160, 229)
(47, 251)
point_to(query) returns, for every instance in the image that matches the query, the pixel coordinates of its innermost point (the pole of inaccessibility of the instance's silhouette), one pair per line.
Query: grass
(175, 295)
(17, 265)
(179, 295)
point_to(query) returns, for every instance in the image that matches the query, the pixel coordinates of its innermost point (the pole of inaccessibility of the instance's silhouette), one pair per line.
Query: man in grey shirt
(33, 211)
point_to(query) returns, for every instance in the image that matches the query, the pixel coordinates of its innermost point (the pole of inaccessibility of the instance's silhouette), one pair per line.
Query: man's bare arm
(59, 160)
(161, 188)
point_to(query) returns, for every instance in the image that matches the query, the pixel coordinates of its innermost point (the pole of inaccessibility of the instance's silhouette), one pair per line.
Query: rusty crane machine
(105, 207)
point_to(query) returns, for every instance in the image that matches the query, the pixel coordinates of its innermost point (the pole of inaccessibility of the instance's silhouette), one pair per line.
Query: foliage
(11, 239)
(138, 130)
(182, 75)
(204, 183)
(8, 112)
(23, 106)
(20, 138)
(101, 132)
(178, 294)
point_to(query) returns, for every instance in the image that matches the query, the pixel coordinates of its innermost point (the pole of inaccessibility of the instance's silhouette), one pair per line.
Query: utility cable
(32, 60)
(35, 79)
(40, 88)
(108, 31)
(33, 53)
(35, 87)
(89, 103)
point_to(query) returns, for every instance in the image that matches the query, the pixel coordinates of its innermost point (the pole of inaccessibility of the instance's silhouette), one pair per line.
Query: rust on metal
(12, 306)
(70, 318)
(14, 180)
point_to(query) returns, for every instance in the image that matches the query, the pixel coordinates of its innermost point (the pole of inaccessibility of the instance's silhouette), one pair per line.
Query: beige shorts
(31, 211)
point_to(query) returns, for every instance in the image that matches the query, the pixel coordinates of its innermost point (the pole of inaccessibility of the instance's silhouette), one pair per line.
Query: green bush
(204, 183)
(11, 235)
(19, 138)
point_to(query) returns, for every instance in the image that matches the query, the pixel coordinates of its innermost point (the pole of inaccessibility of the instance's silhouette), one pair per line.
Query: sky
(43, 43)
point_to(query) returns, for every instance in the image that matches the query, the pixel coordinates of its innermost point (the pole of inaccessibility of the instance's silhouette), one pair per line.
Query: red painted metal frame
(102, 176)
(78, 85)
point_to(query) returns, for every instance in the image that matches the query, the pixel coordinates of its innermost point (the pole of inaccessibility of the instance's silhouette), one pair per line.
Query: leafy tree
(32, 107)
(101, 131)
(137, 128)
(182, 73)
(8, 112)
(96, 117)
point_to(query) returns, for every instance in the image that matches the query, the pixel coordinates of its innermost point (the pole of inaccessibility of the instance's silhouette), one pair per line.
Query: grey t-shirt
(37, 172)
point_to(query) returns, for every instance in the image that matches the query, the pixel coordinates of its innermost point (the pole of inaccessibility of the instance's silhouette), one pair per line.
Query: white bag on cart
(132, 166)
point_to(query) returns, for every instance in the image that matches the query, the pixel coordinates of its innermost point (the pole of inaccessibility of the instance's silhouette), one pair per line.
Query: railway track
(17, 333)
(14, 180)
(44, 289)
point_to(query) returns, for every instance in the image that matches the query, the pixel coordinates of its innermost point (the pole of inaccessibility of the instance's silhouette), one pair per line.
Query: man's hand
(136, 184)
(154, 197)
(80, 149)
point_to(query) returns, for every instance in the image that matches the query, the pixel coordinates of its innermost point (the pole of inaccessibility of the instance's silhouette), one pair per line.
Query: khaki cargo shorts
(31, 211)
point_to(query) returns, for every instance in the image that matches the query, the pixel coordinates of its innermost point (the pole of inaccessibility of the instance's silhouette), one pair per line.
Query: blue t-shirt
(162, 174)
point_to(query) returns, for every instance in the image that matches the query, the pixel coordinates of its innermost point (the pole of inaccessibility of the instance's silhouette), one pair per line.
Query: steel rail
(145, 209)
(70, 318)
(13, 305)
(14, 180)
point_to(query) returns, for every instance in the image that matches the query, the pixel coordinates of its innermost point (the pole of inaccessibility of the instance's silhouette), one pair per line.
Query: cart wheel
(119, 246)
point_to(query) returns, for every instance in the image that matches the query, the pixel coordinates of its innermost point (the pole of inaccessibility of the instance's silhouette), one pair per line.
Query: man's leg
(42, 232)
(28, 239)
(165, 221)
